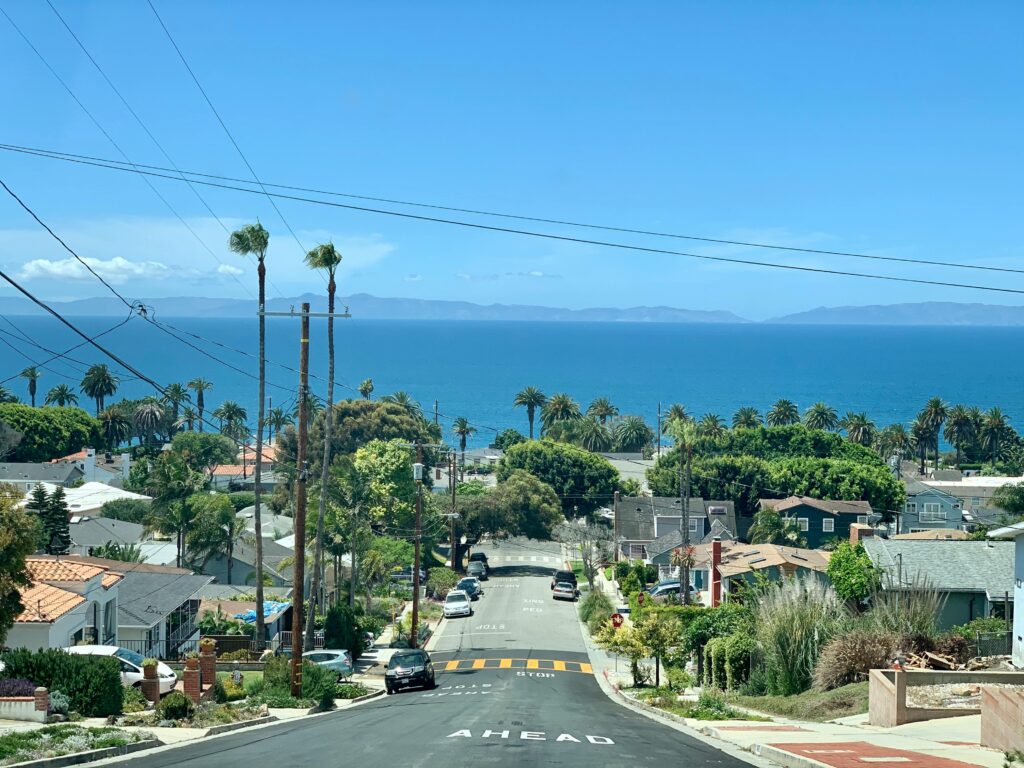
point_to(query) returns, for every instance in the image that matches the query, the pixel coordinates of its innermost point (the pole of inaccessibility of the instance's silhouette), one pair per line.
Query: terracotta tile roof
(61, 570)
(110, 579)
(231, 469)
(44, 603)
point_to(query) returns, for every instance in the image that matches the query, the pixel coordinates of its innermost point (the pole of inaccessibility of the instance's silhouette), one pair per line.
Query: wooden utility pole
(454, 549)
(684, 519)
(414, 632)
(659, 429)
(299, 571)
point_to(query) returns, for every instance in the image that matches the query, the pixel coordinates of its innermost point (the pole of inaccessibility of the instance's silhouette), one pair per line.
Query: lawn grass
(247, 675)
(609, 573)
(816, 706)
(577, 568)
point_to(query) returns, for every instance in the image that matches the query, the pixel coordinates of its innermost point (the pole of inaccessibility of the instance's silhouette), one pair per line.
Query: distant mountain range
(367, 307)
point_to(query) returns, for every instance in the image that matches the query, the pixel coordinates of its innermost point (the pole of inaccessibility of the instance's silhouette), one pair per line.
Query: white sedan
(131, 665)
(564, 591)
(457, 603)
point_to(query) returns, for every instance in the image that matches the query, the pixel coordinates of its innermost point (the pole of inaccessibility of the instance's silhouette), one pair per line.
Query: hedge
(91, 683)
(737, 650)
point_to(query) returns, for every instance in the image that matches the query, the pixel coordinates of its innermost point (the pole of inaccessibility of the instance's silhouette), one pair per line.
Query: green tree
(632, 434)
(404, 400)
(853, 575)
(114, 426)
(601, 408)
(894, 440)
(783, 412)
(625, 641)
(38, 506)
(1010, 499)
(771, 528)
(711, 426)
(921, 437)
(200, 386)
(859, 428)
(659, 633)
(277, 420)
(934, 414)
(204, 451)
(215, 530)
(521, 505)
(47, 433)
(959, 430)
(578, 477)
(171, 482)
(531, 399)
(746, 418)
(385, 489)
(61, 396)
(56, 531)
(463, 430)
(128, 510)
(995, 432)
(821, 416)
(31, 375)
(508, 437)
(99, 384)
(113, 550)
(591, 434)
(366, 388)
(19, 535)
(174, 396)
(147, 418)
(559, 407)
(188, 418)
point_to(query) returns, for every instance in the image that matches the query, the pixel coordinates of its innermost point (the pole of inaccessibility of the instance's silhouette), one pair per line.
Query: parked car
(131, 665)
(471, 586)
(477, 569)
(563, 590)
(339, 661)
(457, 603)
(665, 592)
(568, 576)
(478, 556)
(409, 668)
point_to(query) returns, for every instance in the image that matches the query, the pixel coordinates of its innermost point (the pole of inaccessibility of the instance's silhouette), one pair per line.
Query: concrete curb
(365, 697)
(784, 758)
(93, 754)
(228, 727)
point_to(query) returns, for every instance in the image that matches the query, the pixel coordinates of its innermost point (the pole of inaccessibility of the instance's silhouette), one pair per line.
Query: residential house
(661, 551)
(273, 526)
(933, 534)
(25, 476)
(89, 498)
(158, 612)
(639, 520)
(247, 456)
(106, 467)
(243, 562)
(91, 533)
(742, 563)
(239, 477)
(975, 495)
(277, 615)
(818, 520)
(631, 466)
(1015, 533)
(66, 603)
(975, 577)
(928, 507)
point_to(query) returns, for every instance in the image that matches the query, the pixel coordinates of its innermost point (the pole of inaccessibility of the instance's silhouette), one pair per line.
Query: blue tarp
(269, 609)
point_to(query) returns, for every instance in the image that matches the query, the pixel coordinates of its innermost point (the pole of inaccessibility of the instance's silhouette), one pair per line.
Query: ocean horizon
(475, 368)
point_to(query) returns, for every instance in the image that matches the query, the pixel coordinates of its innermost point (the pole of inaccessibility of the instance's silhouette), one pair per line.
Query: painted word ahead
(531, 736)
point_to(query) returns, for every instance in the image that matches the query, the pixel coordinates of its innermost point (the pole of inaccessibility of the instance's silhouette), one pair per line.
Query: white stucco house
(1016, 532)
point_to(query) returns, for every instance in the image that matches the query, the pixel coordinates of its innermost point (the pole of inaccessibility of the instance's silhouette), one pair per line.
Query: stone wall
(1002, 718)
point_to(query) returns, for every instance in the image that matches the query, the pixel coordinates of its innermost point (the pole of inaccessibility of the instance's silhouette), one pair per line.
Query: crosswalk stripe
(451, 666)
(521, 558)
(479, 663)
(532, 664)
(505, 664)
(586, 668)
(558, 666)
(533, 559)
(543, 665)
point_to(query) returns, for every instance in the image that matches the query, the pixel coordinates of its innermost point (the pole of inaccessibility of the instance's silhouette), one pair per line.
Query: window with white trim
(912, 507)
(694, 522)
(828, 525)
(804, 523)
(862, 519)
(932, 512)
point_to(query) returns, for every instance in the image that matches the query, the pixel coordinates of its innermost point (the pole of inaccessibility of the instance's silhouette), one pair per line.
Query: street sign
(617, 620)
(640, 598)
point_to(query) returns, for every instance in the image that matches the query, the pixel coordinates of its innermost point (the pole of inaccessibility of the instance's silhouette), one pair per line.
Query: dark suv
(568, 576)
(409, 668)
(478, 556)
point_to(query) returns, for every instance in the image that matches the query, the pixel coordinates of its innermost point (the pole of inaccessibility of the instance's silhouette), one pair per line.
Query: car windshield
(405, 660)
(453, 598)
(129, 656)
(467, 584)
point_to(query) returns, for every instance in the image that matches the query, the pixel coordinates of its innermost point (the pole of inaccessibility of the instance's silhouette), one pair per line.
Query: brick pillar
(193, 688)
(150, 684)
(208, 664)
(42, 697)
(716, 577)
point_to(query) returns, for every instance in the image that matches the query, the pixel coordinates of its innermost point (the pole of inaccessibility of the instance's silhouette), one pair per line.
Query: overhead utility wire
(537, 219)
(561, 238)
(109, 138)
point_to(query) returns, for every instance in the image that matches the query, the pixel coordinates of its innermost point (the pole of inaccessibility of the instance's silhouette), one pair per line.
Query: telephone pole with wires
(300, 506)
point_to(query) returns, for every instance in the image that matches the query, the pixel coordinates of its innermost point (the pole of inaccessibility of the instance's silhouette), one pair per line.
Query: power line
(539, 219)
(549, 236)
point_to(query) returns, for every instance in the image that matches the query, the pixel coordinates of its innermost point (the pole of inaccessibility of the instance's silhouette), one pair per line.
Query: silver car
(457, 603)
(339, 661)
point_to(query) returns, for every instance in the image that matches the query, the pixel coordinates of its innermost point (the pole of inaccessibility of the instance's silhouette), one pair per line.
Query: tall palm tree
(99, 384)
(993, 432)
(593, 436)
(277, 420)
(463, 430)
(782, 413)
(859, 428)
(560, 407)
(147, 418)
(326, 257)
(31, 375)
(921, 437)
(934, 413)
(959, 431)
(746, 418)
(188, 418)
(632, 434)
(62, 396)
(531, 399)
(366, 388)
(821, 416)
(711, 425)
(406, 401)
(684, 431)
(602, 409)
(894, 440)
(200, 386)
(771, 528)
(229, 415)
(115, 426)
(6, 396)
(174, 396)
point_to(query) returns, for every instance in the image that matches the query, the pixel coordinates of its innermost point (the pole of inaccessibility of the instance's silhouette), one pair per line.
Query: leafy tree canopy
(48, 433)
(127, 510)
(509, 437)
(204, 451)
(1010, 498)
(853, 575)
(521, 505)
(579, 478)
(19, 534)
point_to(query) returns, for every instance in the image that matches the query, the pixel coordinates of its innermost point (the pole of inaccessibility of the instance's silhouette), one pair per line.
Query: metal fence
(994, 643)
(161, 649)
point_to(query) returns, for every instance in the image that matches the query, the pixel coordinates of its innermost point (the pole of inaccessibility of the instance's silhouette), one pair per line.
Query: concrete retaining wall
(887, 693)
(21, 708)
(1002, 718)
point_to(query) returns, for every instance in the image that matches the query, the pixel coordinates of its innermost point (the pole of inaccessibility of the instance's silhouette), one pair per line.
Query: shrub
(983, 626)
(737, 650)
(956, 645)
(241, 499)
(350, 691)
(59, 703)
(630, 585)
(714, 662)
(704, 624)
(849, 657)
(711, 705)
(134, 701)
(341, 630)
(220, 694)
(595, 601)
(621, 569)
(277, 672)
(234, 692)
(318, 684)
(678, 678)
(241, 654)
(91, 683)
(441, 581)
(175, 706)
(909, 611)
(255, 686)
(17, 687)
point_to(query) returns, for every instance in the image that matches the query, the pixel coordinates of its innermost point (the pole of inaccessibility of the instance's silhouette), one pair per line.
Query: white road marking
(466, 733)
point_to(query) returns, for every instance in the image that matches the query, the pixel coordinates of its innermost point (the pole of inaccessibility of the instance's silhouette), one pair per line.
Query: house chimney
(860, 531)
(89, 465)
(126, 465)
(716, 577)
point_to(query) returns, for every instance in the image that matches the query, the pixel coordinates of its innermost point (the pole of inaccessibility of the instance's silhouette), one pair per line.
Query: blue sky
(880, 127)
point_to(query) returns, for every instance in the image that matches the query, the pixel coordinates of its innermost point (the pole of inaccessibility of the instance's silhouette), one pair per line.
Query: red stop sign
(617, 620)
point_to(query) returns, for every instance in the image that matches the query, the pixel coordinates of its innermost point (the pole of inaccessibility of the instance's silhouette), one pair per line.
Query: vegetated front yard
(710, 705)
(577, 568)
(817, 706)
(63, 739)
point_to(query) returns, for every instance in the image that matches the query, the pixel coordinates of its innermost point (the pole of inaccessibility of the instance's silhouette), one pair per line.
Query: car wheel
(388, 690)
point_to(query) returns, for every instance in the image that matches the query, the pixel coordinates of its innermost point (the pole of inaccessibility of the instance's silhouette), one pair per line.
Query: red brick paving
(858, 754)
(769, 727)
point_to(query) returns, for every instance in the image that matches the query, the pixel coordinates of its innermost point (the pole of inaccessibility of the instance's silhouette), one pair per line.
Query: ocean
(474, 369)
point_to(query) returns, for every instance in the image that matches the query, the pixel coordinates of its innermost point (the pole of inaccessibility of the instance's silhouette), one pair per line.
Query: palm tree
(632, 434)
(6, 396)
(560, 407)
(782, 413)
(366, 388)
(99, 384)
(821, 416)
(62, 396)
(859, 428)
(921, 437)
(746, 418)
(685, 433)
(326, 257)
(771, 528)
(959, 431)
(995, 428)
(593, 435)
(531, 399)
(188, 418)
(277, 420)
(711, 426)
(934, 413)
(229, 415)
(147, 418)
(894, 440)
(602, 409)
(115, 426)
(406, 401)
(200, 386)
(174, 396)
(31, 375)
(463, 429)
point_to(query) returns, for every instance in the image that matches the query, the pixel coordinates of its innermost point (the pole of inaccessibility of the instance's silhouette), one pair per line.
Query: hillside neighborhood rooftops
(43, 603)
(830, 507)
(27, 472)
(935, 534)
(948, 566)
(745, 558)
(56, 585)
(147, 597)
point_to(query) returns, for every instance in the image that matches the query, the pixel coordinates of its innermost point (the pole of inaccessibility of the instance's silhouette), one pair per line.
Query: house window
(932, 513)
(862, 519)
(693, 525)
(828, 525)
(911, 507)
(637, 552)
(975, 502)
(804, 524)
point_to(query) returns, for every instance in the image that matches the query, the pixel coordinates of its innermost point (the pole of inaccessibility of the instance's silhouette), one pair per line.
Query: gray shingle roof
(636, 514)
(97, 531)
(145, 598)
(949, 566)
(26, 472)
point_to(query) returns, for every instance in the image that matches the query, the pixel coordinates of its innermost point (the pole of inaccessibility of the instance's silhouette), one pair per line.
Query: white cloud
(228, 269)
(117, 270)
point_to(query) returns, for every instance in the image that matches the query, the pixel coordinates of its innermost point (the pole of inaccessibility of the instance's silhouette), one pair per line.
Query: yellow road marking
(479, 663)
(559, 666)
(532, 664)
(586, 668)
(451, 666)
(455, 665)
(505, 664)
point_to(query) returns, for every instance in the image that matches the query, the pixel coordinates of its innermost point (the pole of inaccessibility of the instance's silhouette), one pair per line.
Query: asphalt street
(514, 688)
